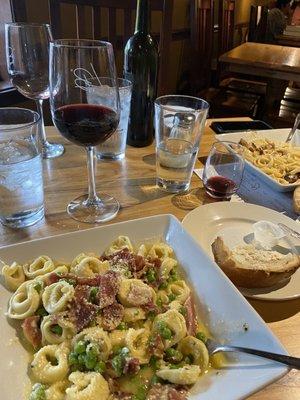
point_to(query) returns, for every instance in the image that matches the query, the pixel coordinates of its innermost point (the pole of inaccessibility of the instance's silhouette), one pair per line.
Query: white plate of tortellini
(123, 312)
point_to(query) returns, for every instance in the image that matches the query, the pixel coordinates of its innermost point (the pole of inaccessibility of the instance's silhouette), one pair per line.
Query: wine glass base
(101, 211)
(52, 150)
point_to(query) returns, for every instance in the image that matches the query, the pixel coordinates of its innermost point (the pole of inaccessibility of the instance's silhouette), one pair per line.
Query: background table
(132, 182)
(271, 61)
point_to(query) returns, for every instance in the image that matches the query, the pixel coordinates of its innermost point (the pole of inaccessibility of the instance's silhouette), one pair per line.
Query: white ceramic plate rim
(239, 210)
(236, 136)
(241, 380)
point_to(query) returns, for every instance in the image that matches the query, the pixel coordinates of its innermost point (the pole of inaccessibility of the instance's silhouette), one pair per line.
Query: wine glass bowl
(27, 55)
(75, 68)
(223, 171)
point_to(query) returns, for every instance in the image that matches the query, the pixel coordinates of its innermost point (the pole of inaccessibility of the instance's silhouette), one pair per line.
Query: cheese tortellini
(96, 335)
(120, 243)
(56, 296)
(87, 386)
(25, 301)
(174, 321)
(40, 266)
(137, 342)
(134, 292)
(86, 266)
(195, 348)
(13, 275)
(180, 290)
(50, 363)
(187, 375)
(56, 329)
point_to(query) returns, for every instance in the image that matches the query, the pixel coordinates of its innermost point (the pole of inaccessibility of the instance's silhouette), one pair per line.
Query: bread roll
(249, 267)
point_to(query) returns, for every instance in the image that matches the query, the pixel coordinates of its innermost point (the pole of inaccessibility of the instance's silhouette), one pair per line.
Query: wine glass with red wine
(75, 68)
(223, 171)
(27, 55)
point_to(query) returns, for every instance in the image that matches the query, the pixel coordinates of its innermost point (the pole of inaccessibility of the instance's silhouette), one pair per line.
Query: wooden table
(271, 61)
(132, 181)
(288, 40)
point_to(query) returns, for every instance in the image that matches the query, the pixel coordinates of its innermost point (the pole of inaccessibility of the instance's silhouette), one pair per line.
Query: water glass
(223, 171)
(114, 147)
(21, 175)
(179, 124)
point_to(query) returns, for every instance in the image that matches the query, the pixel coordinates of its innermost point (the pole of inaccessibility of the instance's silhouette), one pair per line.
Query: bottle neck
(142, 22)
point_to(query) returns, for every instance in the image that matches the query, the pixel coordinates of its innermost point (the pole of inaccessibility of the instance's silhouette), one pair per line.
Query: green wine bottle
(140, 67)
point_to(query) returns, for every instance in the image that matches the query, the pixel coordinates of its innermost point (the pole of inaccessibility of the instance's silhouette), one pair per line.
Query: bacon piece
(132, 366)
(82, 311)
(132, 261)
(32, 330)
(190, 317)
(109, 286)
(52, 278)
(112, 316)
(177, 394)
(156, 345)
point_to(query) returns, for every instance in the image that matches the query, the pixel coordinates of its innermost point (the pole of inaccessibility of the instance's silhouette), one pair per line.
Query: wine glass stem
(39, 105)
(92, 197)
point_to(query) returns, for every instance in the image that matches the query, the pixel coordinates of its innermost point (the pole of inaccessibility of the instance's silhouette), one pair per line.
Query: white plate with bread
(263, 274)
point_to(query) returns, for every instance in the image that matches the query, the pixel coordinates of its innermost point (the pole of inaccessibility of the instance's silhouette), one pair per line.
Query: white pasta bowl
(221, 307)
(279, 135)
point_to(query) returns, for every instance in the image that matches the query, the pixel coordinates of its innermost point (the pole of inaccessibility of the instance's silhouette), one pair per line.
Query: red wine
(220, 187)
(140, 67)
(86, 124)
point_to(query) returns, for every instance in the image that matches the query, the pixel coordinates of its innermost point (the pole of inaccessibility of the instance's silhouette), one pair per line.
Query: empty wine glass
(75, 68)
(223, 171)
(27, 56)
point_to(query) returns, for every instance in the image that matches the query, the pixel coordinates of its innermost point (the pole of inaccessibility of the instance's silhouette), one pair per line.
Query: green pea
(90, 361)
(122, 327)
(172, 296)
(155, 380)
(183, 310)
(80, 347)
(159, 302)
(38, 287)
(117, 364)
(166, 333)
(153, 362)
(173, 355)
(81, 358)
(174, 366)
(73, 358)
(100, 367)
(163, 285)
(93, 294)
(201, 336)
(93, 349)
(41, 311)
(151, 275)
(56, 329)
(38, 392)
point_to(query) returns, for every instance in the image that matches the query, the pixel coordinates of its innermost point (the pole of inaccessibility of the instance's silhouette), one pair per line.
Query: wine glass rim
(25, 125)
(172, 96)
(227, 142)
(23, 24)
(80, 43)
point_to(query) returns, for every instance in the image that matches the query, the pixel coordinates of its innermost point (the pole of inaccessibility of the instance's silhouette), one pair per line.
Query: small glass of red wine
(223, 171)
(76, 68)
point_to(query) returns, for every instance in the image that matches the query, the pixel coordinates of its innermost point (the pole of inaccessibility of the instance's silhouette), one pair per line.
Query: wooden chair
(99, 9)
(202, 25)
(257, 23)
(226, 25)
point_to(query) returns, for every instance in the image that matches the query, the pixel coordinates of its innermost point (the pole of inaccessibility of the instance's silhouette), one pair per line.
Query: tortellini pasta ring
(87, 386)
(134, 292)
(120, 243)
(56, 391)
(180, 289)
(197, 349)
(160, 250)
(87, 266)
(50, 363)
(13, 276)
(96, 335)
(175, 322)
(137, 342)
(56, 296)
(24, 302)
(40, 266)
(187, 375)
(49, 336)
